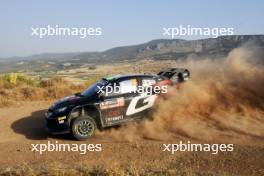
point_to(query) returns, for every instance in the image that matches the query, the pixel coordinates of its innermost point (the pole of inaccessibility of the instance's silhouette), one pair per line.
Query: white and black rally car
(82, 113)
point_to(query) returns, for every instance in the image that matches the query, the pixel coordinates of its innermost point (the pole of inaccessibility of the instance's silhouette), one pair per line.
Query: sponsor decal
(113, 112)
(110, 119)
(148, 82)
(112, 103)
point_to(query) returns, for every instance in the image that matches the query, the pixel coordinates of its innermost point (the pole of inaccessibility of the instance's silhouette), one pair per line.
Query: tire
(83, 127)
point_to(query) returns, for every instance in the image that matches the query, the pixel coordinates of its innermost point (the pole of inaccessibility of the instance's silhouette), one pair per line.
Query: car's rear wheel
(83, 127)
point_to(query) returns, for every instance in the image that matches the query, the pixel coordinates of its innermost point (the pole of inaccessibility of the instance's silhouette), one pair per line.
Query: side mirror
(101, 97)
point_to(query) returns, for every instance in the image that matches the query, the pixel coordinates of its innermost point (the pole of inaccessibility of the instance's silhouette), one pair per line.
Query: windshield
(93, 89)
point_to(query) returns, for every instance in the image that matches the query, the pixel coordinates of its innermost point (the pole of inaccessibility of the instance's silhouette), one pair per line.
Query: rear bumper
(54, 127)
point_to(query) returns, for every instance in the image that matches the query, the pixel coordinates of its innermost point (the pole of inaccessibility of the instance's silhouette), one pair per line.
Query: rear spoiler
(175, 74)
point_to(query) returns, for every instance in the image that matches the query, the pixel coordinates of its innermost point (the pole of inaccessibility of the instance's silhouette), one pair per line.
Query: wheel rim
(85, 128)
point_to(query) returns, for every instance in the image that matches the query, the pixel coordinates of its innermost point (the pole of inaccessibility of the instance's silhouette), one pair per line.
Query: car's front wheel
(83, 127)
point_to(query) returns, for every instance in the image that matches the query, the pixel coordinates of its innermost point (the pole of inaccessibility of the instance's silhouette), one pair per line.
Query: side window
(128, 86)
(122, 87)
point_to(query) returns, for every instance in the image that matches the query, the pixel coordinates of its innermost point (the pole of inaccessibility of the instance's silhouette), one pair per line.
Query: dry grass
(51, 89)
(99, 171)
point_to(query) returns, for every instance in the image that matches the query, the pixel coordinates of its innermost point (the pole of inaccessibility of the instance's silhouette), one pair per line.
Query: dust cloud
(222, 102)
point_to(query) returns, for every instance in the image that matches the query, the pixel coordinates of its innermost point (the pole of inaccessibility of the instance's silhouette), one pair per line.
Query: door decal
(148, 102)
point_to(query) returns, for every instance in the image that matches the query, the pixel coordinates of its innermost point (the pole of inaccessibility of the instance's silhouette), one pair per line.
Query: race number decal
(148, 102)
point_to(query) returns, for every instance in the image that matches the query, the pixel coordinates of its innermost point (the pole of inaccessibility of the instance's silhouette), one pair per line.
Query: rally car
(95, 108)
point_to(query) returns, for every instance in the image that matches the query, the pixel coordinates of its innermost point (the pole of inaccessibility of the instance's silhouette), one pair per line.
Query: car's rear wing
(175, 74)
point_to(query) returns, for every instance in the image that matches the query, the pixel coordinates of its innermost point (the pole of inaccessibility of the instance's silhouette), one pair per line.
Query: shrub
(55, 81)
(31, 93)
(12, 80)
(21, 79)
(92, 67)
(23, 88)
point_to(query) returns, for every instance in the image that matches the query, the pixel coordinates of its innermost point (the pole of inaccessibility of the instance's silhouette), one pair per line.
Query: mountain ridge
(158, 49)
(138, 50)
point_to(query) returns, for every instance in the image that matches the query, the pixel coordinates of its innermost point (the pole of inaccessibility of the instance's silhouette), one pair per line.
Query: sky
(123, 22)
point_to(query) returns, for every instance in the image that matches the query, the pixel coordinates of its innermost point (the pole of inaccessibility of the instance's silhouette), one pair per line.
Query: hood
(73, 101)
(66, 101)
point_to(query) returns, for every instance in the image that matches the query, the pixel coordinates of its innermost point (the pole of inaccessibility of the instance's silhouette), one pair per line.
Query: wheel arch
(90, 110)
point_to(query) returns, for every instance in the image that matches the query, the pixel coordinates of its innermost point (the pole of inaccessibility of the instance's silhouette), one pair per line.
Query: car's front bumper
(54, 126)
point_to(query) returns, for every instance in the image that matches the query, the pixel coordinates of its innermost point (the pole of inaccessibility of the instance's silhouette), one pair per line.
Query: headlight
(61, 109)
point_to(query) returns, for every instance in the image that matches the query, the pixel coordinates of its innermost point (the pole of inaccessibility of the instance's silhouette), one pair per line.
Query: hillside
(172, 49)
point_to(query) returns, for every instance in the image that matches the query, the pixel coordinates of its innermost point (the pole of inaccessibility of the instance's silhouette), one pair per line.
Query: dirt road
(23, 125)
